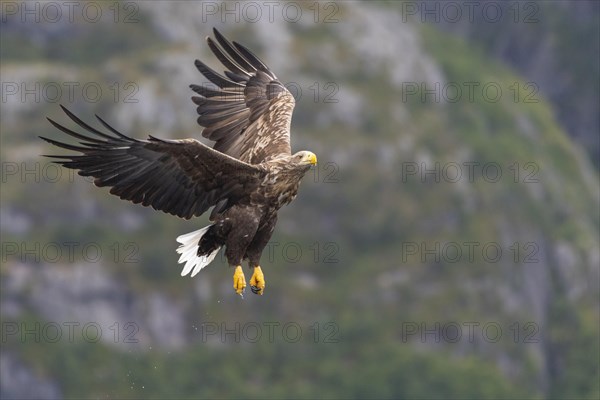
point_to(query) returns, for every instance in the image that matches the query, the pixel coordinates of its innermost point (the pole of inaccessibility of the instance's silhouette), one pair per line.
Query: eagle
(246, 177)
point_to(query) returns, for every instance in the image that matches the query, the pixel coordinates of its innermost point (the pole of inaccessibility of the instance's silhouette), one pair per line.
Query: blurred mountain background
(445, 247)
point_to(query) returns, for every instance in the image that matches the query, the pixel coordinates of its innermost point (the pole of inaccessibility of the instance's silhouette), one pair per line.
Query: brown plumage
(246, 177)
(249, 113)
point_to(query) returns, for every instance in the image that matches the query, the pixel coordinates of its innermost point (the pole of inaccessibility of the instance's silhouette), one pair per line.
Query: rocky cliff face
(535, 39)
(432, 214)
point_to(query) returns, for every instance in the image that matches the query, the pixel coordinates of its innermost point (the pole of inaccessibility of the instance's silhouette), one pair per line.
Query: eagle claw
(239, 280)
(257, 281)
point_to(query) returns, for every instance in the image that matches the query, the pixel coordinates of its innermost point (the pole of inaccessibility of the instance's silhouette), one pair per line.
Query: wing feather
(215, 77)
(180, 177)
(247, 112)
(245, 67)
(253, 60)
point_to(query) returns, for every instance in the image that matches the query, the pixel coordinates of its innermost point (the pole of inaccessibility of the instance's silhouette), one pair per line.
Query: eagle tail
(189, 252)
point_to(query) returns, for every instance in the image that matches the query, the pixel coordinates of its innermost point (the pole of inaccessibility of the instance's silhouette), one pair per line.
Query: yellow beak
(312, 159)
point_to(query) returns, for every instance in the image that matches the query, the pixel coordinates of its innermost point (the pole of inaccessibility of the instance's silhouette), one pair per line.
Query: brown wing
(180, 177)
(248, 111)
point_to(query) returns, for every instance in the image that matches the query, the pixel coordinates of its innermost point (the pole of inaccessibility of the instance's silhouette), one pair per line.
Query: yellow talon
(257, 282)
(239, 280)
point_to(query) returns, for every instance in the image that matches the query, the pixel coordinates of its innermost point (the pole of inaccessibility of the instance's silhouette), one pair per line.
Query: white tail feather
(189, 250)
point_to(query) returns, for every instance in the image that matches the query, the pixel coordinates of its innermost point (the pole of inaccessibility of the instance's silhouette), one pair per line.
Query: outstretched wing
(180, 177)
(247, 112)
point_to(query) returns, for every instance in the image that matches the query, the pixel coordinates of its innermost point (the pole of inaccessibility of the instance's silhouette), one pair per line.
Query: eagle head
(305, 158)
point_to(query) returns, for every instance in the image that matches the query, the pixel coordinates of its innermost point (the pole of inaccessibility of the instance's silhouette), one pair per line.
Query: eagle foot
(257, 282)
(239, 281)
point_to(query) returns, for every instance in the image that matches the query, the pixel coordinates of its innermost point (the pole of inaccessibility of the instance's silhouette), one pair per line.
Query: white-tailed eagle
(248, 175)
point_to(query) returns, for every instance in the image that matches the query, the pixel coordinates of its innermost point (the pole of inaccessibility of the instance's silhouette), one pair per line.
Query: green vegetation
(355, 271)
(276, 369)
